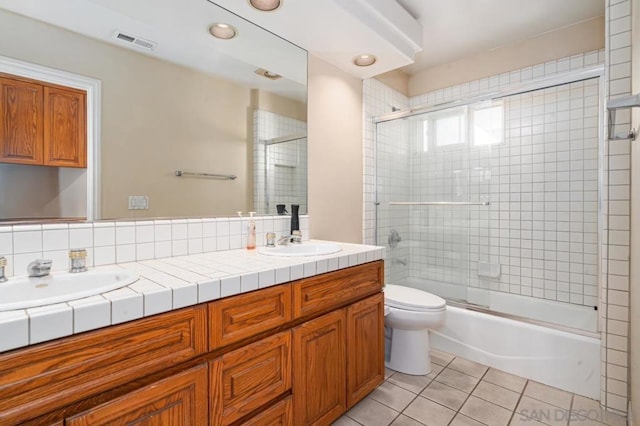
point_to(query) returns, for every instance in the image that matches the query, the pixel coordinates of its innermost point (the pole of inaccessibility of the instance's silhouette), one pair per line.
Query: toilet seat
(402, 297)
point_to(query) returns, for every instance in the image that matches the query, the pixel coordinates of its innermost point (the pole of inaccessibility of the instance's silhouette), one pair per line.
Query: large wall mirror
(167, 96)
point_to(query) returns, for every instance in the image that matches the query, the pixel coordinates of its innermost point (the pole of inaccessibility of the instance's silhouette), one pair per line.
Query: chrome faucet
(284, 240)
(39, 268)
(294, 238)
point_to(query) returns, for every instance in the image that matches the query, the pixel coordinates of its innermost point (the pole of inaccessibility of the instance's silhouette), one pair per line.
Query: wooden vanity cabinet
(180, 399)
(248, 359)
(338, 357)
(338, 360)
(42, 124)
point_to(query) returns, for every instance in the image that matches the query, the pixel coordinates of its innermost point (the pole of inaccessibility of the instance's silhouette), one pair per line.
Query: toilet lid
(403, 297)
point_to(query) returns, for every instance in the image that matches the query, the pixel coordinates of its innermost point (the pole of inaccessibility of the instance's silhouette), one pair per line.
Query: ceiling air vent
(136, 41)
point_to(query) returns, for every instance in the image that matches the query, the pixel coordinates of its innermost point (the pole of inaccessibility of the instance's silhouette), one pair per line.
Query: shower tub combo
(493, 203)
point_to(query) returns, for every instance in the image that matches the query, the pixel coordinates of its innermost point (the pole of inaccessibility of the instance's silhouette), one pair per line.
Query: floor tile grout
(486, 392)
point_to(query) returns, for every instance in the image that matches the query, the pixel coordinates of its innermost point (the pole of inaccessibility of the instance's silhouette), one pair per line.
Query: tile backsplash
(131, 241)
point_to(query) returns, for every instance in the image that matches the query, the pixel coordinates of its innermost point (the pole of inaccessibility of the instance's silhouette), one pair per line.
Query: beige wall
(335, 153)
(156, 117)
(579, 38)
(634, 343)
(271, 102)
(396, 79)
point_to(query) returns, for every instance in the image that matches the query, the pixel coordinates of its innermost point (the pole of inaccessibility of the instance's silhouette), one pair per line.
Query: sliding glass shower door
(433, 192)
(496, 203)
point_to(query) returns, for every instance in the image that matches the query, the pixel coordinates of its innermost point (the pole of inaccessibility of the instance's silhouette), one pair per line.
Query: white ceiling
(335, 30)
(453, 29)
(180, 27)
(338, 30)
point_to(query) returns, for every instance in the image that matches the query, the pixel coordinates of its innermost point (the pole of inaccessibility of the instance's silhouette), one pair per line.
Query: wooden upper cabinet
(177, 400)
(21, 127)
(65, 135)
(42, 124)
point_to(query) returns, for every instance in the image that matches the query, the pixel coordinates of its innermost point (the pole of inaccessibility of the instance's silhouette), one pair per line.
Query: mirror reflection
(170, 97)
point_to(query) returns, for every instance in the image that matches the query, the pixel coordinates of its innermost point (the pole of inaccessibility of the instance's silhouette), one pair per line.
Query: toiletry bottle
(295, 219)
(251, 232)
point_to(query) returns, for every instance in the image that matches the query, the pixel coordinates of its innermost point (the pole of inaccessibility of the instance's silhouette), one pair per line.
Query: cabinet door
(319, 383)
(365, 347)
(248, 378)
(21, 122)
(65, 136)
(177, 400)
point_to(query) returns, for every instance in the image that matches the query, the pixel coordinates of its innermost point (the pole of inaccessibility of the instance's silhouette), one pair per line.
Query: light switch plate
(138, 202)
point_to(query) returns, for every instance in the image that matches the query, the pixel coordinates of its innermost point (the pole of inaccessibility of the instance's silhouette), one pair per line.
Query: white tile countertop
(172, 283)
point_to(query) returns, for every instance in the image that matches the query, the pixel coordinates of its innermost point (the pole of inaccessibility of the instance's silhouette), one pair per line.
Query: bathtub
(559, 358)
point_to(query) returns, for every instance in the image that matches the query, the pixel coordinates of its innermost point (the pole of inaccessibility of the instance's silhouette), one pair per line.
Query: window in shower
(444, 129)
(482, 122)
(487, 124)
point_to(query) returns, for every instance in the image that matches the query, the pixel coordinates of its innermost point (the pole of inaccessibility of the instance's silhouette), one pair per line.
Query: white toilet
(412, 313)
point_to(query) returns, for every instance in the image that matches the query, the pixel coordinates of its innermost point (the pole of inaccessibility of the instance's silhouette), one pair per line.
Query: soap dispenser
(295, 218)
(251, 232)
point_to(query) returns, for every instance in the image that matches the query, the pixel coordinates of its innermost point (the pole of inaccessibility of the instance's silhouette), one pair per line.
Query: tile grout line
(469, 396)
(417, 395)
(513, 414)
(570, 409)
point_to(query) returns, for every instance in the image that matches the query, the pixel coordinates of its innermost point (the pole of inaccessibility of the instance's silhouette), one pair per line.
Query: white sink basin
(304, 249)
(27, 292)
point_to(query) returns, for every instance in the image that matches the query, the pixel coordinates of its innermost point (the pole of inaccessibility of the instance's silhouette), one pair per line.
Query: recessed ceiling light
(265, 5)
(267, 74)
(364, 60)
(223, 31)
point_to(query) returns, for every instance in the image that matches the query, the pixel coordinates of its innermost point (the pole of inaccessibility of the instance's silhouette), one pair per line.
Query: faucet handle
(3, 264)
(78, 259)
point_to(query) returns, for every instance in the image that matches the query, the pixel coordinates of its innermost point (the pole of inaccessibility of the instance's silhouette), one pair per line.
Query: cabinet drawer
(279, 414)
(247, 378)
(324, 292)
(36, 380)
(177, 400)
(240, 317)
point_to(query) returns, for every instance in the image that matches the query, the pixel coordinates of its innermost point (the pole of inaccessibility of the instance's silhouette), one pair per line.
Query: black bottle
(295, 219)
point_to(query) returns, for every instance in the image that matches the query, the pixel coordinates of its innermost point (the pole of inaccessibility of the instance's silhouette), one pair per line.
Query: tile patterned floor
(459, 392)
